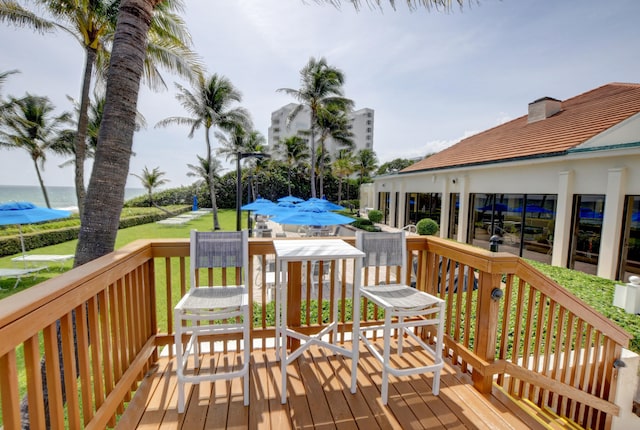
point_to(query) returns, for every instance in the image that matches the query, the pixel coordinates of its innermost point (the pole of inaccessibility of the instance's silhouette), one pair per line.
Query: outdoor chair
(217, 308)
(405, 309)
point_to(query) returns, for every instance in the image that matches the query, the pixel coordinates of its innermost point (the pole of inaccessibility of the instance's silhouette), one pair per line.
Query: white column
(463, 217)
(612, 223)
(445, 208)
(562, 232)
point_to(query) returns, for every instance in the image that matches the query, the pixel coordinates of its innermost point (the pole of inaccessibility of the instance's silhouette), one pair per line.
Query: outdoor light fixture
(240, 156)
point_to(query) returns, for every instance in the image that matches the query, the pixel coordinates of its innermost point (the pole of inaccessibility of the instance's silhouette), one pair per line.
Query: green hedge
(10, 245)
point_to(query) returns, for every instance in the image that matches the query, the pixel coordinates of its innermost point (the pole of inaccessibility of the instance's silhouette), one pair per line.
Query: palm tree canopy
(151, 179)
(210, 105)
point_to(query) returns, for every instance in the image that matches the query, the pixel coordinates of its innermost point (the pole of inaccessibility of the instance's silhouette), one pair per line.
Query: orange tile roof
(581, 118)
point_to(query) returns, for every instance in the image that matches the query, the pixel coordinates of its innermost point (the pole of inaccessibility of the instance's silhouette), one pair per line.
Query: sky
(432, 77)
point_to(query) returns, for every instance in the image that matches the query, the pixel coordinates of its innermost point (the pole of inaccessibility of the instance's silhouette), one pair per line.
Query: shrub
(427, 226)
(375, 215)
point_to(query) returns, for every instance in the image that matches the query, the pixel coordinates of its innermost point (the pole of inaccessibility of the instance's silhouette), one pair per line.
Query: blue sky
(432, 78)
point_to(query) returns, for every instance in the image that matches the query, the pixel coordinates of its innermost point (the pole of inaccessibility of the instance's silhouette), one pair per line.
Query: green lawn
(227, 218)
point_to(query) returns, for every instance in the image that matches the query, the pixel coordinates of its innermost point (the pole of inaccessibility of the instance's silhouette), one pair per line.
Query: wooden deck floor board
(318, 396)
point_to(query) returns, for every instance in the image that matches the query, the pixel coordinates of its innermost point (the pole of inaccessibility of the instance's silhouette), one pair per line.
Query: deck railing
(506, 324)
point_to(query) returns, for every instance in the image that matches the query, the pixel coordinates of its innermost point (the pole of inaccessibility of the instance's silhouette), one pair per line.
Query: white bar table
(293, 253)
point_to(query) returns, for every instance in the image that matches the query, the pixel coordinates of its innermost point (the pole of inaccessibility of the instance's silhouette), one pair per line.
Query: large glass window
(630, 243)
(423, 205)
(522, 223)
(383, 206)
(454, 213)
(588, 212)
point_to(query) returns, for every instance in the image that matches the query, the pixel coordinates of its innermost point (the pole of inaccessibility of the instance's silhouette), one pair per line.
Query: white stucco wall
(612, 172)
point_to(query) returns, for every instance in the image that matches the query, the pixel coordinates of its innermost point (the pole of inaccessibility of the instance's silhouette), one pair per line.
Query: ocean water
(59, 197)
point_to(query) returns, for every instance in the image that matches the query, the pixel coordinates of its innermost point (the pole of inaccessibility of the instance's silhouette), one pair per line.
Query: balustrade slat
(52, 372)
(84, 365)
(9, 391)
(96, 352)
(104, 304)
(35, 397)
(70, 371)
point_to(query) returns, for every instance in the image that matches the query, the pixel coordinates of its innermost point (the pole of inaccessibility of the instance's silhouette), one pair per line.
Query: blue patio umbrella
(500, 207)
(533, 209)
(291, 199)
(312, 216)
(590, 213)
(258, 203)
(19, 213)
(280, 208)
(322, 203)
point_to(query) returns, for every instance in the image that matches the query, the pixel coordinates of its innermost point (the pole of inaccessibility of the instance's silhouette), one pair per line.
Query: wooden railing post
(486, 329)
(294, 298)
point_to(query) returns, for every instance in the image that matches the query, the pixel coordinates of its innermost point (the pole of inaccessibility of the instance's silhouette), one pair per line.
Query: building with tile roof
(560, 184)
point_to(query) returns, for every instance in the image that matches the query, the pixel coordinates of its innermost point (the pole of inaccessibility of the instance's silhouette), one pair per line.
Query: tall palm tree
(332, 122)
(151, 180)
(29, 124)
(201, 170)
(293, 150)
(210, 106)
(343, 166)
(366, 164)
(92, 23)
(320, 86)
(105, 194)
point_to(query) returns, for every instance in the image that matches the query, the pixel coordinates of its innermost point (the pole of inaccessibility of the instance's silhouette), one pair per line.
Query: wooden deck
(318, 397)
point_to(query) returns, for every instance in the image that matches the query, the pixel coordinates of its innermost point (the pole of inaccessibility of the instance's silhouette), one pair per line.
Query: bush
(364, 224)
(427, 226)
(375, 215)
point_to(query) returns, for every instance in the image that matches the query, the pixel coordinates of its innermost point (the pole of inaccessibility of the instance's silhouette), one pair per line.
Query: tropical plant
(343, 166)
(320, 87)
(202, 169)
(366, 163)
(334, 123)
(374, 215)
(4, 105)
(427, 226)
(29, 124)
(150, 180)
(210, 106)
(92, 23)
(394, 166)
(293, 151)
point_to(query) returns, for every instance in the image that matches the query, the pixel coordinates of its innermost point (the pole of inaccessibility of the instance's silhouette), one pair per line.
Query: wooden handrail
(536, 338)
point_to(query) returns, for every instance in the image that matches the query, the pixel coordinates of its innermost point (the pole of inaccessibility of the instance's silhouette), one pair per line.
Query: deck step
(544, 416)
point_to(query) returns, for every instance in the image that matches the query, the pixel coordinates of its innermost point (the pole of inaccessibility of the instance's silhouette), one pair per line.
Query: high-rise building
(360, 124)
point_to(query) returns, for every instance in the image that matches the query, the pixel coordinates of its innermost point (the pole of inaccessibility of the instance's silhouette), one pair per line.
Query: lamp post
(239, 156)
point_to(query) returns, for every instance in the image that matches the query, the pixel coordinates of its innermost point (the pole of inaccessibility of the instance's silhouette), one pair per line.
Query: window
(368, 129)
(276, 130)
(368, 122)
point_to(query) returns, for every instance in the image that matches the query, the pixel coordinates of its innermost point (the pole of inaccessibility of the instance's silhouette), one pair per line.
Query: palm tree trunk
(105, 195)
(289, 178)
(212, 186)
(41, 182)
(83, 123)
(339, 189)
(313, 157)
(321, 168)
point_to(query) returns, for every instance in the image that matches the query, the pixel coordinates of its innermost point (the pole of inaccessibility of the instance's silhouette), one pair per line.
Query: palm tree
(210, 106)
(366, 163)
(151, 180)
(29, 124)
(201, 170)
(92, 23)
(293, 150)
(343, 166)
(3, 77)
(332, 122)
(321, 86)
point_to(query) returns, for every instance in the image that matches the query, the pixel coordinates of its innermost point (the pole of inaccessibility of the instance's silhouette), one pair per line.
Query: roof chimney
(543, 108)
